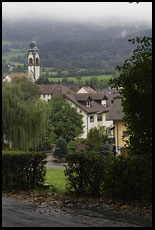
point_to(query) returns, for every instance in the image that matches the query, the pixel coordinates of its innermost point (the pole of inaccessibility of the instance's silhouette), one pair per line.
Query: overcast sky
(107, 12)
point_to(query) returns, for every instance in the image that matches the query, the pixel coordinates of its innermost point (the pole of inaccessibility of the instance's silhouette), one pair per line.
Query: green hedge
(22, 170)
(128, 178)
(85, 173)
(117, 177)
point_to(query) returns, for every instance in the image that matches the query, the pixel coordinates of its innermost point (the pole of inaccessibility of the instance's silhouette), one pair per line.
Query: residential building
(120, 131)
(86, 89)
(93, 106)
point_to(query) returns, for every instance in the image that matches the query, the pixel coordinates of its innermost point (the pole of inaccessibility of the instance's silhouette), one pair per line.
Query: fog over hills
(50, 21)
(74, 35)
(107, 13)
(74, 44)
(47, 30)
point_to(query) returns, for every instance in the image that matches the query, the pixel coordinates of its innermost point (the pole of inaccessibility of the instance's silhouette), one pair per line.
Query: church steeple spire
(33, 61)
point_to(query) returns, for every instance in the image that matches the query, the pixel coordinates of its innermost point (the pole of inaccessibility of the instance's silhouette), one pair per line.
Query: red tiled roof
(14, 75)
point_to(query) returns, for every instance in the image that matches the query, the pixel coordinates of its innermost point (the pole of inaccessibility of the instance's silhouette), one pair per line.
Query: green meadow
(13, 54)
(84, 78)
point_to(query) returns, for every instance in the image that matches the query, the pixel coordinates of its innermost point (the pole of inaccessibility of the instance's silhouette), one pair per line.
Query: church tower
(33, 61)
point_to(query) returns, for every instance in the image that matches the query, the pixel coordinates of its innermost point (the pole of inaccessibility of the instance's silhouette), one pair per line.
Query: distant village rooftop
(11, 76)
(88, 102)
(86, 89)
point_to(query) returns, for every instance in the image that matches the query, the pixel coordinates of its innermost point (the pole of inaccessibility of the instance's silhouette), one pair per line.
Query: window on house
(91, 118)
(88, 103)
(104, 103)
(99, 117)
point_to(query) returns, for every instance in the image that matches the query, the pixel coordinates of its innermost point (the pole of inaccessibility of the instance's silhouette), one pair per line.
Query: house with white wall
(93, 106)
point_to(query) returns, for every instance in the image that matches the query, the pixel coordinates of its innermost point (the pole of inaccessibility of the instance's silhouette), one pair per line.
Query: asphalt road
(25, 214)
(21, 214)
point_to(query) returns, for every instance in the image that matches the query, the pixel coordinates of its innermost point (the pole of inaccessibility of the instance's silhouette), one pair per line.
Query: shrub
(128, 178)
(22, 170)
(117, 177)
(84, 173)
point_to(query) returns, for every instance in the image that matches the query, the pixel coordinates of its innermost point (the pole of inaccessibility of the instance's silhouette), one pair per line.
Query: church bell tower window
(37, 61)
(30, 61)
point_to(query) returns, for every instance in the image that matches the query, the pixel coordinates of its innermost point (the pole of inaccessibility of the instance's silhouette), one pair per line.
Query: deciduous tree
(96, 139)
(135, 81)
(65, 119)
(24, 122)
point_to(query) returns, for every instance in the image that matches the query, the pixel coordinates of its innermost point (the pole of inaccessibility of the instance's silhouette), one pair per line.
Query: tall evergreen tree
(60, 148)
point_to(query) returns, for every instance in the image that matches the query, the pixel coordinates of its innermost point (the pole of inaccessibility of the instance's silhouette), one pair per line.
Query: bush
(85, 173)
(128, 178)
(117, 177)
(22, 170)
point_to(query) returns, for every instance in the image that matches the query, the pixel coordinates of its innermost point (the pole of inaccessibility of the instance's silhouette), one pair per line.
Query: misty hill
(74, 45)
(47, 31)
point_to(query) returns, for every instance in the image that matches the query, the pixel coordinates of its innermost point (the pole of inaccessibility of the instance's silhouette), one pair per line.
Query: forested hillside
(70, 45)
(96, 54)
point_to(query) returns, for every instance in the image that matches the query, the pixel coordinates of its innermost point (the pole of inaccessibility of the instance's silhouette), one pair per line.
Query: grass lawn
(56, 178)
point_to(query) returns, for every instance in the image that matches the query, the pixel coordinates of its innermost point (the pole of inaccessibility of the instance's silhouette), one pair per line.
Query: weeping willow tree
(24, 122)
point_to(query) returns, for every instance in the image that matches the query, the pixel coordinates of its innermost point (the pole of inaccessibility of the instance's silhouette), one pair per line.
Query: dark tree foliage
(61, 148)
(30, 89)
(24, 122)
(135, 81)
(96, 139)
(65, 119)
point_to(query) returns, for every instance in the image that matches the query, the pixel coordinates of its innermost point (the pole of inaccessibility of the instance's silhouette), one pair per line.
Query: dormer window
(88, 103)
(104, 103)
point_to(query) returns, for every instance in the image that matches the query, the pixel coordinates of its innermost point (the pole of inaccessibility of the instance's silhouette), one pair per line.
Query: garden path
(51, 162)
